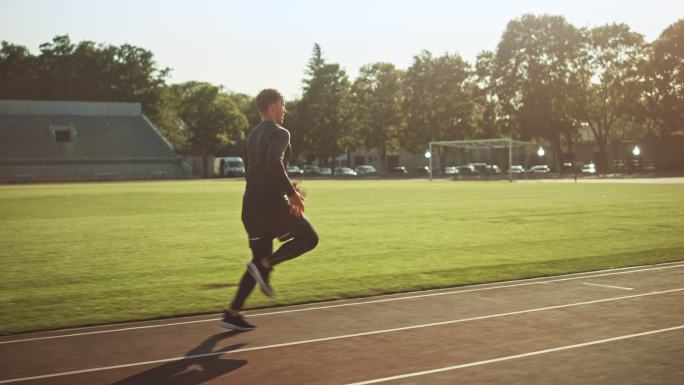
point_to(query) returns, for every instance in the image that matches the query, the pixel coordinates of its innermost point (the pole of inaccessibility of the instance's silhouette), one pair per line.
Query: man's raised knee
(313, 241)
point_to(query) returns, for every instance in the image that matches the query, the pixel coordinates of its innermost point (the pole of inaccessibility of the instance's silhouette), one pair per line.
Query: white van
(229, 166)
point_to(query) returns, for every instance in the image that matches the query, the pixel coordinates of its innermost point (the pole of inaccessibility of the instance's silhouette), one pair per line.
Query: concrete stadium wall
(196, 165)
(83, 171)
(33, 107)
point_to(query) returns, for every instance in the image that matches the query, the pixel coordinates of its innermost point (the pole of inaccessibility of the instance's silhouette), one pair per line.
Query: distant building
(661, 155)
(42, 141)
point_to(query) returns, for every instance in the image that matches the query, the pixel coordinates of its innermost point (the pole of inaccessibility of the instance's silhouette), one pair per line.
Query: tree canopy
(545, 80)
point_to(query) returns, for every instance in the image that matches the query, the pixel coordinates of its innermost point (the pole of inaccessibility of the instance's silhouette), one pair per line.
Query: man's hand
(299, 187)
(296, 204)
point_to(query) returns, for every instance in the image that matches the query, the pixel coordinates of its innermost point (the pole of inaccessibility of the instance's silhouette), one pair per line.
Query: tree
(167, 119)
(82, 72)
(614, 56)
(17, 72)
(247, 105)
(665, 72)
(212, 118)
(438, 100)
(376, 102)
(488, 120)
(323, 110)
(292, 123)
(537, 81)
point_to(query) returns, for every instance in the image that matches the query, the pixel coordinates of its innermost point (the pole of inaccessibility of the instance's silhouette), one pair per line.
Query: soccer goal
(491, 158)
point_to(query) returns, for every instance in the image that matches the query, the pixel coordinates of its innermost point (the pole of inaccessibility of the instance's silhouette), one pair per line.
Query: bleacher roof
(99, 131)
(41, 107)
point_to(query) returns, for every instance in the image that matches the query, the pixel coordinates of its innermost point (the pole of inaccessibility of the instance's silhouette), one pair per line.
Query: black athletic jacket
(268, 153)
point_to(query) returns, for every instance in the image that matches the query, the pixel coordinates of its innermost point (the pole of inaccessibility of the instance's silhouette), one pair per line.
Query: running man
(266, 213)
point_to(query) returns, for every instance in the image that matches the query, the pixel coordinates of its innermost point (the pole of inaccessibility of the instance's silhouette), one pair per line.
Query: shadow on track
(191, 370)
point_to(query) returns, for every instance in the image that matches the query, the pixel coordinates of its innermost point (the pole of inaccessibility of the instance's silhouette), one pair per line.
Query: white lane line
(516, 356)
(106, 331)
(608, 286)
(499, 285)
(344, 336)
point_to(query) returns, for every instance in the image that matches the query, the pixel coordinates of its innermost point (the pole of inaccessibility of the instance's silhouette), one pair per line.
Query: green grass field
(80, 254)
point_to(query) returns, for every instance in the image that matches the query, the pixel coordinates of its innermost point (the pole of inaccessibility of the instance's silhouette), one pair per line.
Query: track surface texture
(621, 326)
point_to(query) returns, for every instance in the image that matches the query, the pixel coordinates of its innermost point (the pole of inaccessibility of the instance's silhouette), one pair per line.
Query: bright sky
(249, 45)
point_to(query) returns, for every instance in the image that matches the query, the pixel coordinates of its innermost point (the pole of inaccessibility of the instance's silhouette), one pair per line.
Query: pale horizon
(245, 48)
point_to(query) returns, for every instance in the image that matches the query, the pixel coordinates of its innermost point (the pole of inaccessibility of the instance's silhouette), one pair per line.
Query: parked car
(294, 171)
(450, 170)
(325, 171)
(310, 169)
(344, 171)
(569, 168)
(540, 169)
(620, 165)
(231, 166)
(365, 170)
(479, 168)
(516, 169)
(589, 169)
(401, 170)
(492, 169)
(648, 167)
(423, 170)
(467, 170)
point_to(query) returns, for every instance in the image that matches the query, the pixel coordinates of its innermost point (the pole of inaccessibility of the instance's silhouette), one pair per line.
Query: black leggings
(300, 237)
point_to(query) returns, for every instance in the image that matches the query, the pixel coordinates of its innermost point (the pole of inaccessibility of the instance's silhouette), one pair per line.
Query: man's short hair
(266, 98)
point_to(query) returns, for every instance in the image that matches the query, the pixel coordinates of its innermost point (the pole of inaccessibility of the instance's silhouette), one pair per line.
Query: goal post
(502, 152)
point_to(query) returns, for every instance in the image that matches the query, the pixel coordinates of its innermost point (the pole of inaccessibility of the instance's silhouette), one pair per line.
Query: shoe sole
(228, 325)
(254, 271)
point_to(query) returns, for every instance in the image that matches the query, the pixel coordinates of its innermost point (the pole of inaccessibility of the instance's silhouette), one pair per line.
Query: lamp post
(540, 153)
(636, 151)
(428, 156)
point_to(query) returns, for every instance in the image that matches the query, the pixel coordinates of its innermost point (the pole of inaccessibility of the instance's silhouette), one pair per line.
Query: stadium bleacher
(80, 141)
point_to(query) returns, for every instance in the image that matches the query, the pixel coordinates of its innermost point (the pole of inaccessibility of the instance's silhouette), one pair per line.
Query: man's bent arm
(274, 159)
